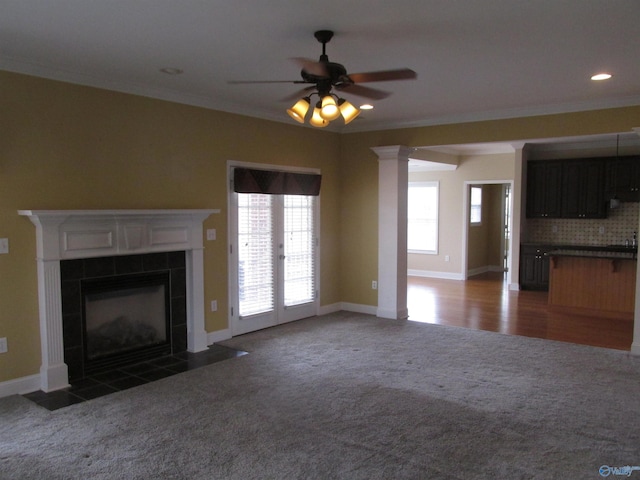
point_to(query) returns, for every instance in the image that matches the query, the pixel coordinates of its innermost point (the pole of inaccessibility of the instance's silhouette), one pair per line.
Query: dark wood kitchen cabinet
(544, 180)
(583, 189)
(534, 267)
(566, 188)
(623, 178)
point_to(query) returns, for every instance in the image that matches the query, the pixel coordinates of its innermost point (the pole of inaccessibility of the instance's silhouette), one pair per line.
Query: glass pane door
(255, 254)
(299, 251)
(276, 255)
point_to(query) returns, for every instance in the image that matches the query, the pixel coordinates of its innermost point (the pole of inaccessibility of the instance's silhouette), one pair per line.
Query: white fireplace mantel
(73, 234)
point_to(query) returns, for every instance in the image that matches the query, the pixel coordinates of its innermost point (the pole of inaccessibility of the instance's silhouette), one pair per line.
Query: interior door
(274, 260)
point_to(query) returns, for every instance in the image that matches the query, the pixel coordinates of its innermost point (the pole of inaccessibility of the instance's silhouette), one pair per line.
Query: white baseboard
(486, 268)
(434, 274)
(358, 308)
(635, 348)
(333, 308)
(452, 275)
(218, 336)
(20, 386)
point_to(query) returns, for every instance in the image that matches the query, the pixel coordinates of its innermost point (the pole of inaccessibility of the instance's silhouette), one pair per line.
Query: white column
(393, 178)
(517, 214)
(196, 333)
(635, 346)
(53, 371)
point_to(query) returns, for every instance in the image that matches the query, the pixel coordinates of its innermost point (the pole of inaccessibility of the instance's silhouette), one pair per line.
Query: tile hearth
(112, 381)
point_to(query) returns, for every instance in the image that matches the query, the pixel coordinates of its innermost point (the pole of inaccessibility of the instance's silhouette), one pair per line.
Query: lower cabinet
(534, 267)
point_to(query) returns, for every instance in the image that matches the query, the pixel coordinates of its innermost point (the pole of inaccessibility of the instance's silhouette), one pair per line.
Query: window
(475, 212)
(422, 221)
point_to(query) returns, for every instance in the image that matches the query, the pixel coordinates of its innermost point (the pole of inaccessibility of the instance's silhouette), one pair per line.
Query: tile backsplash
(614, 230)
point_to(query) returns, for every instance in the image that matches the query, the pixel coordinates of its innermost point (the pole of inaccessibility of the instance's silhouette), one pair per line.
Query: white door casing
(277, 257)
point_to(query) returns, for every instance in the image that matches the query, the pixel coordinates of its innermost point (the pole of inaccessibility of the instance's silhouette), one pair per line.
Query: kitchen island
(593, 280)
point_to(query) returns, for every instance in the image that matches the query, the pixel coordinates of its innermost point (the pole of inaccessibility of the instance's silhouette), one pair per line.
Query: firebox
(122, 310)
(125, 319)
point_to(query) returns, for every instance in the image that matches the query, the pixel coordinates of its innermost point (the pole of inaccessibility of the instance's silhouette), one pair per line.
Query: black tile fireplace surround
(74, 272)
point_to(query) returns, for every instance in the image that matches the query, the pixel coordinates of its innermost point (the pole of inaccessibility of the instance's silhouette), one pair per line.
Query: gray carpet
(349, 396)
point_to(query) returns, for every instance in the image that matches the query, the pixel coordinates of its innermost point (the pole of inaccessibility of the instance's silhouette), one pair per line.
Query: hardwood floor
(484, 302)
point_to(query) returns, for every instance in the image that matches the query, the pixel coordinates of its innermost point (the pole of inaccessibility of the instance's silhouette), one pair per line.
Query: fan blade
(383, 76)
(311, 66)
(242, 82)
(361, 91)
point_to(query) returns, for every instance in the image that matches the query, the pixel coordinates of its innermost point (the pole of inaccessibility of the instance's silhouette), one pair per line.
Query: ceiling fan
(324, 76)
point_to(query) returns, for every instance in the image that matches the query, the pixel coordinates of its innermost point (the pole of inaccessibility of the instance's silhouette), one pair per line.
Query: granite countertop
(595, 251)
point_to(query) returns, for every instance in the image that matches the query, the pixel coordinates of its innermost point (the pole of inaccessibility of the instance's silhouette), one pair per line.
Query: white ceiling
(475, 59)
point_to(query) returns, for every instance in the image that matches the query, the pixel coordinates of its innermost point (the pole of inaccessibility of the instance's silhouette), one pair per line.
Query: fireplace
(121, 310)
(125, 318)
(103, 243)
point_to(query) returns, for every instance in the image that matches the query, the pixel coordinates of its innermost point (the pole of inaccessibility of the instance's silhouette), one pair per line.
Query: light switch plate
(3, 345)
(211, 234)
(4, 245)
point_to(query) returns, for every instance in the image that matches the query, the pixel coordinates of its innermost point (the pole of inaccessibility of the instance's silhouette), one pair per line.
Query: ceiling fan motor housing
(336, 73)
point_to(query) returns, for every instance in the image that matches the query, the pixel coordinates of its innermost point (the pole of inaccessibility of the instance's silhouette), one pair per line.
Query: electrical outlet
(211, 234)
(3, 345)
(447, 258)
(374, 285)
(214, 305)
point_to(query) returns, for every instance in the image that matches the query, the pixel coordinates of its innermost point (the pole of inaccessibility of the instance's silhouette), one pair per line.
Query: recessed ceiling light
(171, 71)
(366, 106)
(601, 76)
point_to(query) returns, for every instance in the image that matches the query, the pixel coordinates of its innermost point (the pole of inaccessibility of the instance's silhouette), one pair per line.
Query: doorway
(273, 258)
(487, 229)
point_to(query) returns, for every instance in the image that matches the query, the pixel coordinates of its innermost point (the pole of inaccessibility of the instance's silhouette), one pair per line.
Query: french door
(273, 260)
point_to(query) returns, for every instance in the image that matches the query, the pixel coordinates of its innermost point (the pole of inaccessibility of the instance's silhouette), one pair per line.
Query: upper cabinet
(623, 179)
(543, 189)
(583, 189)
(567, 188)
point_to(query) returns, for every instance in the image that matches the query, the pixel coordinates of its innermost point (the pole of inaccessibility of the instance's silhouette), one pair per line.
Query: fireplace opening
(125, 319)
(122, 310)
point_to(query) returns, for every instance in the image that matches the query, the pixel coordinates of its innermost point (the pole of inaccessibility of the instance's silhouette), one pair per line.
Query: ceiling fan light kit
(316, 119)
(324, 76)
(329, 109)
(300, 109)
(348, 111)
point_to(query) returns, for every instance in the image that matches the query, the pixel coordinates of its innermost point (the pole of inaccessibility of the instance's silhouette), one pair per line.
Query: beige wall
(70, 147)
(476, 168)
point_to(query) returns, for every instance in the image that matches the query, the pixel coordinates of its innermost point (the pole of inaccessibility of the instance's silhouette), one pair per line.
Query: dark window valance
(248, 180)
